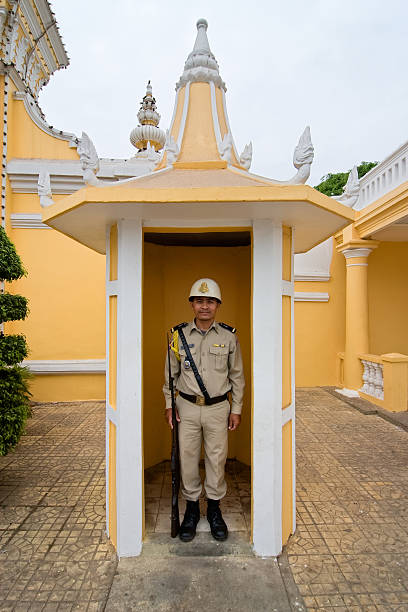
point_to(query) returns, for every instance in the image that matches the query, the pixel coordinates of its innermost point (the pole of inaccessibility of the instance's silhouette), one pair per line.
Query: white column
(129, 390)
(267, 388)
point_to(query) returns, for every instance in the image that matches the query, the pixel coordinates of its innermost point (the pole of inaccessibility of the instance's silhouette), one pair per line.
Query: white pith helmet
(205, 287)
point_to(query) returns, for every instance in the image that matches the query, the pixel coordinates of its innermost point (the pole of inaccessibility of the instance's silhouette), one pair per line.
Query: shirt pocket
(219, 357)
(184, 358)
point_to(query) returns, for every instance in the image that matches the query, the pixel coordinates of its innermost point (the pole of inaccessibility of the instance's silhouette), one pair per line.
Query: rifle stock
(175, 456)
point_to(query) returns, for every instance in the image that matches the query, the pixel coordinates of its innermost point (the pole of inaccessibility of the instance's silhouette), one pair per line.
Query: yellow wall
(65, 282)
(320, 328)
(169, 273)
(67, 387)
(27, 140)
(65, 288)
(388, 298)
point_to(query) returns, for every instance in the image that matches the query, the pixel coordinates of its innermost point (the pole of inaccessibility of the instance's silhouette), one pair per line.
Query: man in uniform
(206, 365)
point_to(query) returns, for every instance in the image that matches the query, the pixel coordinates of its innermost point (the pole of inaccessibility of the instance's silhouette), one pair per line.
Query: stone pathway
(54, 554)
(350, 551)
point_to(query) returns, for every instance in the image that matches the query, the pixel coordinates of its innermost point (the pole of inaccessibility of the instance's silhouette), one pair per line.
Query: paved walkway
(350, 551)
(54, 554)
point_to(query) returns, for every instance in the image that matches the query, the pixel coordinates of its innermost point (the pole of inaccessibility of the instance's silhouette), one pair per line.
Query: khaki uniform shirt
(217, 355)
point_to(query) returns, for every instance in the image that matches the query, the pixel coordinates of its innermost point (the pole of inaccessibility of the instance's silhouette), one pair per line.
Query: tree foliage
(13, 349)
(332, 184)
(11, 267)
(14, 393)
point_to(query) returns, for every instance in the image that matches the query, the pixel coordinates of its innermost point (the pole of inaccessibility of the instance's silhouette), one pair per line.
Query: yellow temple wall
(320, 328)
(27, 140)
(388, 298)
(65, 281)
(169, 273)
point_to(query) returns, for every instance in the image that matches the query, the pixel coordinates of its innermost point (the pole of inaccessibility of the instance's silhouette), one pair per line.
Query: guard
(207, 369)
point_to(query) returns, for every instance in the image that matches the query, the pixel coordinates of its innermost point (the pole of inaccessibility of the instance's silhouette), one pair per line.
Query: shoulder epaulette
(179, 326)
(231, 329)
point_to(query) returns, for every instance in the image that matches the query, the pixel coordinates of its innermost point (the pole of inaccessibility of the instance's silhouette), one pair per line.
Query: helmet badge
(203, 288)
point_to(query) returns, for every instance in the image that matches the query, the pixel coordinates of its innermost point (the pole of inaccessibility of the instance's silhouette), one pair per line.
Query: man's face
(204, 308)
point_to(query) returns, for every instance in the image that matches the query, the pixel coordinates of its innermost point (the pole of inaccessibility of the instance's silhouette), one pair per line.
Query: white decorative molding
(12, 45)
(171, 148)
(27, 221)
(302, 160)
(351, 190)
(215, 118)
(34, 76)
(44, 189)
(201, 65)
(310, 296)
(288, 288)
(245, 159)
(3, 16)
(303, 157)
(314, 265)
(225, 148)
(20, 53)
(89, 160)
(67, 176)
(36, 27)
(360, 252)
(288, 414)
(183, 116)
(53, 35)
(312, 278)
(66, 366)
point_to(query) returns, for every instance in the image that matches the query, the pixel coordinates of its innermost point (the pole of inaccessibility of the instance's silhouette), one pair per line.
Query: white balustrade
(384, 177)
(373, 381)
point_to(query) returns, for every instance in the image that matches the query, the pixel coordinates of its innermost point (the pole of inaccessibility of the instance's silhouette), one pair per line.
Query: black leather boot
(219, 529)
(190, 520)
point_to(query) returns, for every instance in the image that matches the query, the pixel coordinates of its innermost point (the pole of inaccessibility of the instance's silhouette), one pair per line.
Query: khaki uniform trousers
(211, 424)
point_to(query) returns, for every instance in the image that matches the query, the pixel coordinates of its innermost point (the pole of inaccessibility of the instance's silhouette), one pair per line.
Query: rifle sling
(194, 367)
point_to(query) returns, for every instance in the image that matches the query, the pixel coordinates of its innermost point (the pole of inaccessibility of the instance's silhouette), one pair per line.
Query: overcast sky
(339, 66)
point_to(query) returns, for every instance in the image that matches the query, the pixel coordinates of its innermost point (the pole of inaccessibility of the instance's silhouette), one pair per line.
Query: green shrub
(11, 267)
(12, 307)
(332, 184)
(13, 349)
(14, 405)
(14, 393)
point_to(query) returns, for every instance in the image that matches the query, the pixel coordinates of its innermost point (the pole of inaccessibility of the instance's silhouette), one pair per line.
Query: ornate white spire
(201, 64)
(149, 119)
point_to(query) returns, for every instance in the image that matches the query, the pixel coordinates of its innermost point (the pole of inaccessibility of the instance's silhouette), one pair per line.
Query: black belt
(200, 400)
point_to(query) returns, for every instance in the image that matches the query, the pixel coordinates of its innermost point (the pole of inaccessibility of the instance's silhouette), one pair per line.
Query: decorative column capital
(351, 253)
(357, 248)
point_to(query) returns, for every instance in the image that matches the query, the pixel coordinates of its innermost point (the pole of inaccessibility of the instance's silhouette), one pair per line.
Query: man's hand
(169, 417)
(234, 421)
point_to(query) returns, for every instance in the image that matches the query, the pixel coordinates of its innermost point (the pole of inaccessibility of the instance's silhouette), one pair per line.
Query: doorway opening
(172, 261)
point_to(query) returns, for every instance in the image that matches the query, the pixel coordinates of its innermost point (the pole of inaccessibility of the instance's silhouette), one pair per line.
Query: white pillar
(129, 474)
(267, 388)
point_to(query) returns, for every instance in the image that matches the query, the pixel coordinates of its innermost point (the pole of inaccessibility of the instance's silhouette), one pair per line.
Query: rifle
(175, 456)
